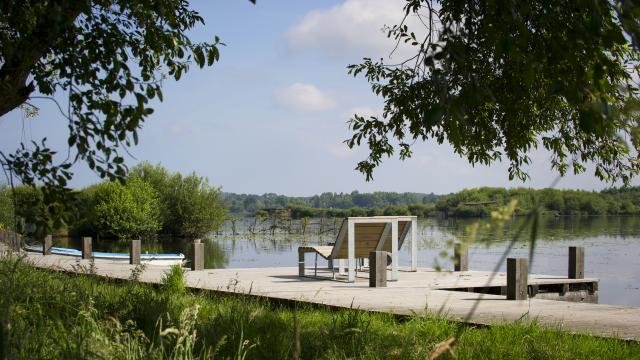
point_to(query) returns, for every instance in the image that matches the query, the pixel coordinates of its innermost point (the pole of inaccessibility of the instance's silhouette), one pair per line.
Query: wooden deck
(414, 292)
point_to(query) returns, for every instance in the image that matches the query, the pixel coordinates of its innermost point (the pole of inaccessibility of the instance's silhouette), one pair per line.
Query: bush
(126, 211)
(188, 205)
(31, 212)
(82, 224)
(393, 210)
(195, 207)
(6, 208)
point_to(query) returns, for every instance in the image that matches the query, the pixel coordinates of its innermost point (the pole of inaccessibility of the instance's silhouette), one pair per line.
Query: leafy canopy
(108, 58)
(497, 78)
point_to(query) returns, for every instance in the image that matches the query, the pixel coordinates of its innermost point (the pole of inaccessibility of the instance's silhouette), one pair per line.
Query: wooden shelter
(358, 236)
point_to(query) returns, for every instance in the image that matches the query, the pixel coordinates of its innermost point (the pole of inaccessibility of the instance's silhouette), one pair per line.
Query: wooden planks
(366, 240)
(415, 293)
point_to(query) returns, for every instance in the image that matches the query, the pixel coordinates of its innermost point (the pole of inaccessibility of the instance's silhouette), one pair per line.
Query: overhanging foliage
(496, 79)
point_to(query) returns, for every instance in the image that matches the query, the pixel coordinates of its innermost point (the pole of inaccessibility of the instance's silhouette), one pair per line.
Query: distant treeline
(422, 210)
(329, 203)
(478, 202)
(481, 201)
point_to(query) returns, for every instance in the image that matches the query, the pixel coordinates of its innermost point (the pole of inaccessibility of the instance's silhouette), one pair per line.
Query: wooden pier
(443, 293)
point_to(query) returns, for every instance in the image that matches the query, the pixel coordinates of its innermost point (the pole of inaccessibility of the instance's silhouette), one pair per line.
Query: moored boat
(151, 259)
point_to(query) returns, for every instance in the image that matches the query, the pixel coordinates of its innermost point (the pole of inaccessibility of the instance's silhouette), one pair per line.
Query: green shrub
(188, 205)
(160, 179)
(126, 211)
(393, 210)
(173, 282)
(83, 224)
(28, 207)
(6, 208)
(195, 207)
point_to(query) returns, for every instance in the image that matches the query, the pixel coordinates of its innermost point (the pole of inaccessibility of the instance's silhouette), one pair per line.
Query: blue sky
(271, 116)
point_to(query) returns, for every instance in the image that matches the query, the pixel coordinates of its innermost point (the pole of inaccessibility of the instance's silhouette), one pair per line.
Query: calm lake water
(612, 247)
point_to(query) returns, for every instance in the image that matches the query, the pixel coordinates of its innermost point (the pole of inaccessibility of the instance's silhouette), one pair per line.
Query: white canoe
(151, 259)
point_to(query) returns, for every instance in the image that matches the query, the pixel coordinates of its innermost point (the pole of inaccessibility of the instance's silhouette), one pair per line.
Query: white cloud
(303, 97)
(353, 28)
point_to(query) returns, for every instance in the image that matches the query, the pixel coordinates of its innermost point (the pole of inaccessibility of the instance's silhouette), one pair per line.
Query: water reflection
(550, 228)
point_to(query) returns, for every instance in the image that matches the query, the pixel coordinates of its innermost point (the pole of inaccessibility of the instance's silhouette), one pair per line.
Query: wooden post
(300, 262)
(47, 244)
(197, 255)
(134, 252)
(461, 257)
(576, 262)
(378, 269)
(86, 248)
(517, 278)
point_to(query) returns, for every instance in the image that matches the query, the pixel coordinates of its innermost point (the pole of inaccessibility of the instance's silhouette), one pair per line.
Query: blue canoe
(151, 259)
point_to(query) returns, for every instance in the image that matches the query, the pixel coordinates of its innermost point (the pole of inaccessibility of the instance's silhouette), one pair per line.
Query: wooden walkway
(414, 292)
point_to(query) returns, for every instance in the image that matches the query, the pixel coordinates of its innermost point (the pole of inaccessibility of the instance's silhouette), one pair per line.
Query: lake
(612, 246)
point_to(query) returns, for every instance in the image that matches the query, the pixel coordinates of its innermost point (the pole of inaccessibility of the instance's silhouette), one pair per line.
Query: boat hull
(149, 259)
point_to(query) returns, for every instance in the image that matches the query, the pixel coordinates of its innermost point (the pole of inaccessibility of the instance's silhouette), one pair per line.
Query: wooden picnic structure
(359, 236)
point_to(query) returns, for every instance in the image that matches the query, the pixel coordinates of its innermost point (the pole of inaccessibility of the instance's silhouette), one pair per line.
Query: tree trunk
(26, 51)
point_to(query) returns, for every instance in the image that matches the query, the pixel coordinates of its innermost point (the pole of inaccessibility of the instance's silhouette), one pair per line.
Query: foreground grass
(47, 315)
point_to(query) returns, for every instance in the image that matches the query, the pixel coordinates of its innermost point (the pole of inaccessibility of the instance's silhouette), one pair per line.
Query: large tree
(497, 78)
(107, 59)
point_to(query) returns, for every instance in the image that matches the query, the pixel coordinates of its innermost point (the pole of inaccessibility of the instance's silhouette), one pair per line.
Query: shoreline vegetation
(467, 203)
(155, 203)
(151, 202)
(59, 315)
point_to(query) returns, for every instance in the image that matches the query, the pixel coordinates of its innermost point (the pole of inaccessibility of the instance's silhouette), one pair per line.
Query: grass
(49, 315)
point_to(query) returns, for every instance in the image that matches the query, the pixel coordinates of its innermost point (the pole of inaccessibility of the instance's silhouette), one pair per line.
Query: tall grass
(60, 316)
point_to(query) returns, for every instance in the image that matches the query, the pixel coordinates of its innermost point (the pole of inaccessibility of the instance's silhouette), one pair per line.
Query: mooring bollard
(134, 252)
(517, 278)
(47, 244)
(301, 253)
(461, 257)
(197, 255)
(86, 248)
(576, 262)
(378, 269)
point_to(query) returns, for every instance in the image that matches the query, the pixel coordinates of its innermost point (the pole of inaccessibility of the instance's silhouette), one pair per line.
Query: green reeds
(51, 315)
